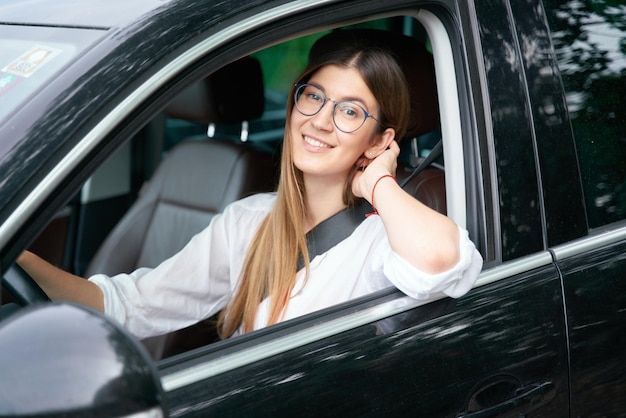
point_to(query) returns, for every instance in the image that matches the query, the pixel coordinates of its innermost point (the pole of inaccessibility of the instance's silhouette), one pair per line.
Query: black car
(120, 139)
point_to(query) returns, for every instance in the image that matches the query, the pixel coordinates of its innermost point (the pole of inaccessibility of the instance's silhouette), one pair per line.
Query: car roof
(134, 43)
(76, 13)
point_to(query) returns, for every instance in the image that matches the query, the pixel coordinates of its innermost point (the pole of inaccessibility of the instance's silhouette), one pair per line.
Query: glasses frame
(298, 86)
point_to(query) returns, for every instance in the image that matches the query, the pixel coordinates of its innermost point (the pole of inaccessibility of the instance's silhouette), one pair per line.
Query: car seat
(193, 183)
(197, 178)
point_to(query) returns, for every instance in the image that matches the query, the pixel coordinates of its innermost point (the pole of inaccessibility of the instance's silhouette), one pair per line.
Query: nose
(323, 120)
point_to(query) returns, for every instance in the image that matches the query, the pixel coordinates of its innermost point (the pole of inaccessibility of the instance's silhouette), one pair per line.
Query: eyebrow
(344, 99)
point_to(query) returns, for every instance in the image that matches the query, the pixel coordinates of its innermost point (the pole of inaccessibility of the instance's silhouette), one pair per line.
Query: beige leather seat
(197, 179)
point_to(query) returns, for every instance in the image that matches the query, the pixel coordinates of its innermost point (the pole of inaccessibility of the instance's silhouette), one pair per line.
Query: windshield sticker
(7, 81)
(31, 61)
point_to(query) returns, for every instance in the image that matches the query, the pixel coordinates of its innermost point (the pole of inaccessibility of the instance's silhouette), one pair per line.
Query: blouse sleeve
(421, 285)
(188, 287)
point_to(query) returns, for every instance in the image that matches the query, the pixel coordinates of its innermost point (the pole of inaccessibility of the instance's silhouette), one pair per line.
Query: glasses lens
(309, 99)
(348, 116)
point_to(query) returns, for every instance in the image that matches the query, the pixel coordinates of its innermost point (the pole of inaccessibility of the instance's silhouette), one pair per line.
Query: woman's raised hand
(373, 169)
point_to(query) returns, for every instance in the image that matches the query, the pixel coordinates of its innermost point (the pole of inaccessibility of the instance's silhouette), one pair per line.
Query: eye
(313, 94)
(349, 110)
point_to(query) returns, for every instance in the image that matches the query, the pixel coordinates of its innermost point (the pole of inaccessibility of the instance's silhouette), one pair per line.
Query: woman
(344, 115)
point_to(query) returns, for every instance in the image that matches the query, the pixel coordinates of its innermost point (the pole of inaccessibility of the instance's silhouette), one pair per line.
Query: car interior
(214, 143)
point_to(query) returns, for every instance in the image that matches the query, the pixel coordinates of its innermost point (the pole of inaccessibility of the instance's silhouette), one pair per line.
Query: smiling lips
(315, 142)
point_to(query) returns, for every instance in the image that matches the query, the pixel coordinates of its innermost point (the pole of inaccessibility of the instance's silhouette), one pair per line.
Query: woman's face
(320, 149)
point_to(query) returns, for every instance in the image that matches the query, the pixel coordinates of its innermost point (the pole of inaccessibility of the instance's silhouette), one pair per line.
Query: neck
(323, 200)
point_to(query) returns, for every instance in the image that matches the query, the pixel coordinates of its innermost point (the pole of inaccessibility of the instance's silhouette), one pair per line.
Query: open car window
(280, 65)
(527, 109)
(127, 175)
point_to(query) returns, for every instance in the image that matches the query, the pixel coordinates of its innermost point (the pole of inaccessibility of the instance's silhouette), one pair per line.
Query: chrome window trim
(512, 268)
(450, 115)
(589, 243)
(225, 363)
(36, 197)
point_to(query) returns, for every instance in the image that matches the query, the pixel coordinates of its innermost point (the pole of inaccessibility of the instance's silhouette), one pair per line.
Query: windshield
(30, 56)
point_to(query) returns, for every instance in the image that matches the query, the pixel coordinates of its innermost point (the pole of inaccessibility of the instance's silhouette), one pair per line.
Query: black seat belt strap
(432, 156)
(340, 226)
(335, 229)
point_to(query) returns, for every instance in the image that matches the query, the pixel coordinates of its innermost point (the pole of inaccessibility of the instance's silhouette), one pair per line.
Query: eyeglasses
(347, 116)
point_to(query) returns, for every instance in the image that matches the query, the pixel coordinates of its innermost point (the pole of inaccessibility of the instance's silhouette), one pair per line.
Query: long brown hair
(270, 266)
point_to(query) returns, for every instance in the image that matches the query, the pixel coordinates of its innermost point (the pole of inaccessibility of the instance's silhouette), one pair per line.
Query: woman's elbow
(443, 254)
(439, 261)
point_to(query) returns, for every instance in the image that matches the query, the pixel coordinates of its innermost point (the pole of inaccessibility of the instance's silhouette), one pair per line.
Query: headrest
(414, 59)
(232, 94)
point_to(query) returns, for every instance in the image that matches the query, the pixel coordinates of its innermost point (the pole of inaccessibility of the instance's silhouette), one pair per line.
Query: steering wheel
(23, 288)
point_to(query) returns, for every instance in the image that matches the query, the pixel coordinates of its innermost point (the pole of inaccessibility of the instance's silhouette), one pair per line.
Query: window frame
(177, 73)
(188, 368)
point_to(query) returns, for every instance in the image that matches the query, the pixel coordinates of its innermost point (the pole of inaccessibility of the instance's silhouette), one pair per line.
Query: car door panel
(532, 339)
(583, 181)
(501, 346)
(520, 220)
(595, 295)
(551, 126)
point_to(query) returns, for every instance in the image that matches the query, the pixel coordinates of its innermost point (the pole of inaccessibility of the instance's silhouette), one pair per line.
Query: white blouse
(198, 281)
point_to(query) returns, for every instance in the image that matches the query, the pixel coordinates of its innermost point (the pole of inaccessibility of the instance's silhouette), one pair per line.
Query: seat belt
(335, 229)
(340, 226)
(432, 156)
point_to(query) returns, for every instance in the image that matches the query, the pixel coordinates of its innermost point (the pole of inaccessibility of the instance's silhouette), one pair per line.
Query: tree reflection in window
(590, 42)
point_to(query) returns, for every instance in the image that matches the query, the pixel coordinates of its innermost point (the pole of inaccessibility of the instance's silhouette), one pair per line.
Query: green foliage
(590, 41)
(283, 63)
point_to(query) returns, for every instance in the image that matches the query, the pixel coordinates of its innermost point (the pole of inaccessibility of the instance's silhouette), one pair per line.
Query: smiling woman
(323, 171)
(157, 131)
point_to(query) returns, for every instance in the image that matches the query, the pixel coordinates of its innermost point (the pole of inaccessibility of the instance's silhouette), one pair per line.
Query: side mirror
(59, 359)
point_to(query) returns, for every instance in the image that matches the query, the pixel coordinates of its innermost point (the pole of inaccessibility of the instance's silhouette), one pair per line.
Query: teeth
(314, 142)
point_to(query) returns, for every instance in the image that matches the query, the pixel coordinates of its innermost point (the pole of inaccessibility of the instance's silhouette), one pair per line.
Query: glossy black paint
(542, 342)
(75, 13)
(425, 362)
(88, 367)
(595, 296)
(518, 193)
(558, 165)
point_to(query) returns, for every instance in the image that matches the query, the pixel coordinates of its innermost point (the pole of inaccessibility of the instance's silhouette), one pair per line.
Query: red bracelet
(375, 212)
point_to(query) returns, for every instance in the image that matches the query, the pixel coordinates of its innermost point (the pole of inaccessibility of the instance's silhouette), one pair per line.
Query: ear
(381, 143)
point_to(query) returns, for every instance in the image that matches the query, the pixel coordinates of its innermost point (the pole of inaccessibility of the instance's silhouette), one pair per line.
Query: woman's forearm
(59, 284)
(422, 236)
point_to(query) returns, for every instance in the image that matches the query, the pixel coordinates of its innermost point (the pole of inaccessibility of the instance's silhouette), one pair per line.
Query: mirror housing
(60, 359)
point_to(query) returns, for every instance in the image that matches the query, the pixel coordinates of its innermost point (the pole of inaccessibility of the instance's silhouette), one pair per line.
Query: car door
(501, 350)
(581, 153)
(594, 266)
